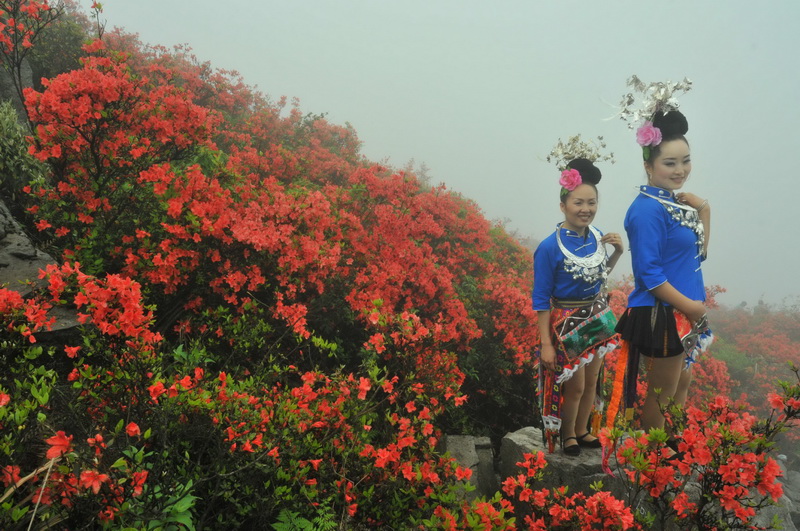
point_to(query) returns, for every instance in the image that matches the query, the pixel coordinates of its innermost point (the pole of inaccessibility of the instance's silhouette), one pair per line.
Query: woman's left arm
(615, 240)
(703, 210)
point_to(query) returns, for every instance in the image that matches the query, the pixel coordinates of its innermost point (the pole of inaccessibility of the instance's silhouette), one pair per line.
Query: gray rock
(20, 263)
(488, 482)
(475, 453)
(791, 493)
(792, 479)
(577, 473)
(765, 517)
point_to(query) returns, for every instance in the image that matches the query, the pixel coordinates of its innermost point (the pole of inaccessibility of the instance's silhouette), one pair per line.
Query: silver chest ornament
(591, 268)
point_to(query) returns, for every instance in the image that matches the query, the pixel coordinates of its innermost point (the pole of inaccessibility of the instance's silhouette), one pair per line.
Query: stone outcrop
(9, 92)
(20, 262)
(791, 491)
(476, 454)
(577, 473)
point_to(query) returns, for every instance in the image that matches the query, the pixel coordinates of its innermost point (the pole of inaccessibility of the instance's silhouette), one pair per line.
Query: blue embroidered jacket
(662, 250)
(549, 277)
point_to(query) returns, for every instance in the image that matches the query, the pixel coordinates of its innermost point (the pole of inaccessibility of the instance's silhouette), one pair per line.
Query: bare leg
(683, 387)
(663, 376)
(587, 398)
(572, 393)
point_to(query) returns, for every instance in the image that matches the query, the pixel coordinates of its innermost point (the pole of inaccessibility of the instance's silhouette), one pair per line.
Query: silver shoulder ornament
(591, 268)
(685, 215)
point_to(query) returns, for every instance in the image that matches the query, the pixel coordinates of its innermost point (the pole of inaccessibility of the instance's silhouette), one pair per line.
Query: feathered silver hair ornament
(656, 96)
(575, 148)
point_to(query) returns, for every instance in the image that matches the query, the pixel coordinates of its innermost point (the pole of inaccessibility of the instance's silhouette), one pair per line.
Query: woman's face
(579, 208)
(671, 167)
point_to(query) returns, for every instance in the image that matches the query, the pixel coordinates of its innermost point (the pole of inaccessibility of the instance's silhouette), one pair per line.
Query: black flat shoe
(588, 444)
(572, 450)
(673, 444)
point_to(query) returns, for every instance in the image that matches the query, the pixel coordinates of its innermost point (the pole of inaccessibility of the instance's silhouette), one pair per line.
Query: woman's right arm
(547, 354)
(693, 309)
(544, 272)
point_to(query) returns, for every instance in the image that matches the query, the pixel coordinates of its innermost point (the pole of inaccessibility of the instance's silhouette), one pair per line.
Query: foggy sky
(480, 92)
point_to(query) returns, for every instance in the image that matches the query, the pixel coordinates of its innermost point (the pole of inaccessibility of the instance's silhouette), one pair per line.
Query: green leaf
(184, 504)
(185, 519)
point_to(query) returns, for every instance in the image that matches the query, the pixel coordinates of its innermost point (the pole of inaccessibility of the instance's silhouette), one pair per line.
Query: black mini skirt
(651, 330)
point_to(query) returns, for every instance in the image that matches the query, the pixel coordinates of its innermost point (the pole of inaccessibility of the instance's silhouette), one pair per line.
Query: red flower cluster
(722, 449)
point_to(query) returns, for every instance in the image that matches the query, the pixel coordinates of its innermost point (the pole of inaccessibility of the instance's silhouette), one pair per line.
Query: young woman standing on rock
(668, 233)
(575, 324)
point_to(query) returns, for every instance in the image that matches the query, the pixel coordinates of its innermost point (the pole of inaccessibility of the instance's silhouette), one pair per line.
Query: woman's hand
(695, 311)
(690, 199)
(703, 210)
(547, 357)
(692, 309)
(615, 240)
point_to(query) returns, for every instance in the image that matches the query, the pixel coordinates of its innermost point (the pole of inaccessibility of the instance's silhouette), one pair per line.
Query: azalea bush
(244, 446)
(335, 269)
(720, 473)
(267, 322)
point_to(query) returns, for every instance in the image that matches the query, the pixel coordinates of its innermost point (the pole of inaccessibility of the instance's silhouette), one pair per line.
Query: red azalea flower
(363, 387)
(138, 481)
(60, 444)
(9, 475)
(93, 480)
(132, 430)
(71, 351)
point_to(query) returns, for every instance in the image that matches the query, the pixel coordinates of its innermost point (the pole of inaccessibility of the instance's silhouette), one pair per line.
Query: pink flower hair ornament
(648, 135)
(570, 179)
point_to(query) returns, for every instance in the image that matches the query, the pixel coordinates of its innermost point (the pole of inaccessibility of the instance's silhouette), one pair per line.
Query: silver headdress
(574, 148)
(657, 97)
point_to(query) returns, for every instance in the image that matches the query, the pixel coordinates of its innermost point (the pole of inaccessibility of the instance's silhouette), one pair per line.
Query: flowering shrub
(21, 24)
(556, 509)
(722, 473)
(242, 440)
(319, 254)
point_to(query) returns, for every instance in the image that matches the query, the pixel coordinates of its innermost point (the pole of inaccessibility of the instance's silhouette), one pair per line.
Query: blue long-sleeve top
(550, 280)
(662, 250)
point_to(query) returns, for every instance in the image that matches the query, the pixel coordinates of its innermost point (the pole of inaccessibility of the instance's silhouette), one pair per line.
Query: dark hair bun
(589, 172)
(671, 124)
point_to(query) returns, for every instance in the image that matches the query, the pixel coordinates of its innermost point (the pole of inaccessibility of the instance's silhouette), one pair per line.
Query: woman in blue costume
(570, 269)
(668, 235)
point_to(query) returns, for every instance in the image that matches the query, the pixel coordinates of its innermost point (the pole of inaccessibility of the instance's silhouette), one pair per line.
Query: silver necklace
(590, 268)
(685, 215)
